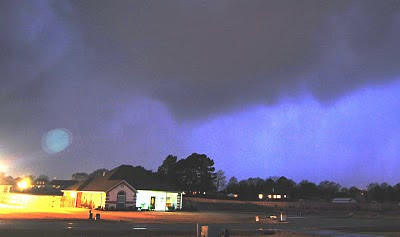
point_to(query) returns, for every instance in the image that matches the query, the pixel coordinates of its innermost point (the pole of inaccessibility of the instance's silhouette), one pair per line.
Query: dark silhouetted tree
(168, 166)
(149, 172)
(98, 172)
(79, 176)
(196, 173)
(233, 185)
(354, 191)
(220, 180)
(245, 191)
(307, 190)
(396, 189)
(254, 187)
(328, 189)
(270, 185)
(380, 193)
(167, 170)
(285, 185)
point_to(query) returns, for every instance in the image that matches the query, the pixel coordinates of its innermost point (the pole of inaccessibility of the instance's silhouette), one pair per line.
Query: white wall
(144, 197)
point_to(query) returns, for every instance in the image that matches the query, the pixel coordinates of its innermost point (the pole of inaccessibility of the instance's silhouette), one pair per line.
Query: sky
(304, 89)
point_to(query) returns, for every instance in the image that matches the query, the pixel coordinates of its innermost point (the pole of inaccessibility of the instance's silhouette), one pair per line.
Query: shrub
(132, 208)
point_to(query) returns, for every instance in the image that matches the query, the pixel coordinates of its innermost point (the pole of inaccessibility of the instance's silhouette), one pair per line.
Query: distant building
(40, 183)
(344, 200)
(276, 196)
(61, 184)
(125, 187)
(5, 185)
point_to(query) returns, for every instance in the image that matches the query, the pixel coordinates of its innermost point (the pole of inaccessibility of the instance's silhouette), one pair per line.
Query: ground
(16, 221)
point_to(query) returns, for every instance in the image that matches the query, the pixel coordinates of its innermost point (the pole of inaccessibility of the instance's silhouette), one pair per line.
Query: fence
(305, 205)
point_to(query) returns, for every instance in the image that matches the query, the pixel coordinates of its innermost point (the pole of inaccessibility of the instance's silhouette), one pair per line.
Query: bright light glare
(24, 184)
(3, 168)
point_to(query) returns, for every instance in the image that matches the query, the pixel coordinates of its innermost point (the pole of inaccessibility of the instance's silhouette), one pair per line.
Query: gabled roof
(136, 177)
(95, 184)
(5, 181)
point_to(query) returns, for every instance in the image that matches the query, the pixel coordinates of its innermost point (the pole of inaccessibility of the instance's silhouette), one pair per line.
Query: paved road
(46, 228)
(31, 228)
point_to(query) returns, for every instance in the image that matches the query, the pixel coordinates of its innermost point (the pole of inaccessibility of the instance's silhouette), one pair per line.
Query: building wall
(67, 201)
(5, 188)
(86, 199)
(91, 199)
(30, 201)
(130, 197)
(162, 199)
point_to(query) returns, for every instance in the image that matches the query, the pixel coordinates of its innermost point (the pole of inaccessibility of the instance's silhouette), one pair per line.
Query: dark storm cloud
(117, 74)
(202, 57)
(47, 80)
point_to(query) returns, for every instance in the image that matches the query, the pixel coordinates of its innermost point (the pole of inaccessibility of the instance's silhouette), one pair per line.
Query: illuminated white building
(125, 187)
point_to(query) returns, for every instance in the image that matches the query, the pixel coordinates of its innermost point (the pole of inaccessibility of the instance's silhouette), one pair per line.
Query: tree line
(196, 175)
(248, 189)
(195, 172)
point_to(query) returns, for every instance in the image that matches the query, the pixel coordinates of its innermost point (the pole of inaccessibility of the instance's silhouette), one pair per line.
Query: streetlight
(24, 184)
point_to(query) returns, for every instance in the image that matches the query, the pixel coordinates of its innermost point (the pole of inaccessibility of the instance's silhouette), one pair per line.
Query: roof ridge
(137, 177)
(86, 182)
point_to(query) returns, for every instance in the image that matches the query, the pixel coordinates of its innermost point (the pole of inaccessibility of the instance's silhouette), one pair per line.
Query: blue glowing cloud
(56, 140)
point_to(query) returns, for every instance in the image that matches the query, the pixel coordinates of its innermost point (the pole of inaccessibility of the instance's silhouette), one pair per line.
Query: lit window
(278, 196)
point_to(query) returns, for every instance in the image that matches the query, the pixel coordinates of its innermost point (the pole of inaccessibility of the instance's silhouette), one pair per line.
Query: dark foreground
(33, 228)
(15, 221)
(299, 227)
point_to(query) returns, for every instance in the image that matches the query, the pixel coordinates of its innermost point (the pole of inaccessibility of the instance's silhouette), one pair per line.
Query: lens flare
(56, 140)
(24, 184)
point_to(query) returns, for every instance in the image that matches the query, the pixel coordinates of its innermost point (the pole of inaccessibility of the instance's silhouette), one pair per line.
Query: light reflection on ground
(77, 219)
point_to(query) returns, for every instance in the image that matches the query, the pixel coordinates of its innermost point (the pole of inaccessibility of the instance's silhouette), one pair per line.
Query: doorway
(152, 203)
(121, 199)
